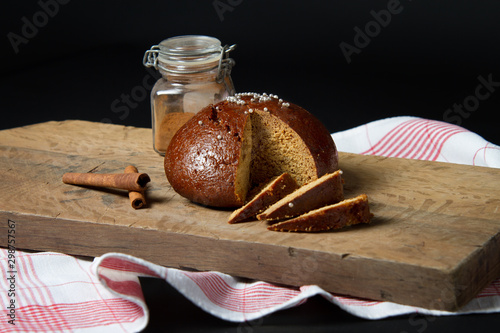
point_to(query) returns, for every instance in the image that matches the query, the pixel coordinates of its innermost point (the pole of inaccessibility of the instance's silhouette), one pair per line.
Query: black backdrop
(348, 62)
(73, 59)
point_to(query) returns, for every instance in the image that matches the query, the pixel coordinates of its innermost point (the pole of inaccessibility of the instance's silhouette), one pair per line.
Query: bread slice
(323, 191)
(342, 214)
(276, 189)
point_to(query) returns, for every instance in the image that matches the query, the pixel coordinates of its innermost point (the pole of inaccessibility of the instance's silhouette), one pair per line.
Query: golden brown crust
(203, 157)
(337, 216)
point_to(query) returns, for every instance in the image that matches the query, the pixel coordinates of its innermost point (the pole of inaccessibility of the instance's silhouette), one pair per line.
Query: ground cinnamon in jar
(195, 73)
(168, 127)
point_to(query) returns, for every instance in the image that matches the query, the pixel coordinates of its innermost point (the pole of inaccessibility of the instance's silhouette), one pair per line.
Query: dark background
(74, 59)
(89, 54)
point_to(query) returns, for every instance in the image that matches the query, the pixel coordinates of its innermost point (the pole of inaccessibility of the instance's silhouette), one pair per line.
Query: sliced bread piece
(276, 189)
(323, 191)
(345, 213)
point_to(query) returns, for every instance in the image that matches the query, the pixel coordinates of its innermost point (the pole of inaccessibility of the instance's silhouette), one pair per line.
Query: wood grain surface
(434, 241)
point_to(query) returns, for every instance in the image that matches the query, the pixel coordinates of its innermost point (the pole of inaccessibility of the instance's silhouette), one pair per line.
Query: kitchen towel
(422, 139)
(49, 292)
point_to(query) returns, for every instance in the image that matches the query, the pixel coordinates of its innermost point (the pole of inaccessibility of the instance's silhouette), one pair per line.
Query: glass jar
(196, 72)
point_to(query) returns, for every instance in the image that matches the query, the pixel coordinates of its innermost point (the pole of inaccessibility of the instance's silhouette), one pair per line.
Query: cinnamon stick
(137, 198)
(125, 181)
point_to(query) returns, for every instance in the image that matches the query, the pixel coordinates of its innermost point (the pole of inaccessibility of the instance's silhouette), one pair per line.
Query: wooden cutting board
(434, 241)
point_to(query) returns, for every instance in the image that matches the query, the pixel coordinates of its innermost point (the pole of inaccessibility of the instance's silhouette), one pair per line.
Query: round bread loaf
(230, 147)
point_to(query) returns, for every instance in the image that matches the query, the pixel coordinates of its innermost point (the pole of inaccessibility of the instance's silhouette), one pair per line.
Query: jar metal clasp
(225, 63)
(150, 59)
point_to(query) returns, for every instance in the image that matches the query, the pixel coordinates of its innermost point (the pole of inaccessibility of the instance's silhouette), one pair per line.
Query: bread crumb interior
(276, 149)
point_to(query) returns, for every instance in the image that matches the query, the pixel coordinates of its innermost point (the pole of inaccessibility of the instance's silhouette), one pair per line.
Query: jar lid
(190, 49)
(179, 54)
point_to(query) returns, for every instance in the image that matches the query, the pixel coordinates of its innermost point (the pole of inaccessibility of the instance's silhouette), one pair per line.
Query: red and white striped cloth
(422, 139)
(57, 292)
